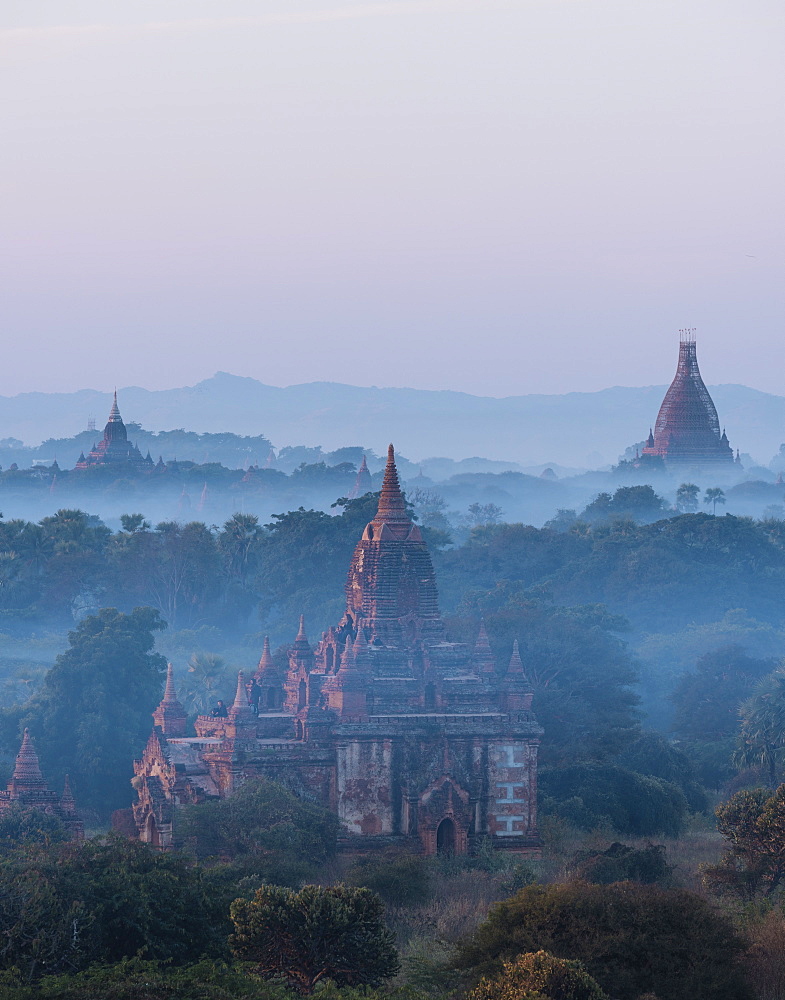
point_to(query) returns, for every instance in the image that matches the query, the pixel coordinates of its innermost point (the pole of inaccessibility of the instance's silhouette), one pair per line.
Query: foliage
(72, 905)
(317, 933)
(628, 503)
(91, 717)
(655, 756)
(632, 938)
(263, 828)
(539, 974)
(713, 496)
(23, 825)
(687, 498)
(761, 740)
(139, 979)
(622, 863)
(753, 823)
(401, 880)
(597, 795)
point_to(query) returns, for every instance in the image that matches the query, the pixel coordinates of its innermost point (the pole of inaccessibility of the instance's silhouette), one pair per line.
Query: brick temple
(114, 449)
(409, 738)
(687, 431)
(28, 789)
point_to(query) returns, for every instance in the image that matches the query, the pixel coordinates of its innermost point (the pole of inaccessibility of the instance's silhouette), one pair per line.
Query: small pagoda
(28, 789)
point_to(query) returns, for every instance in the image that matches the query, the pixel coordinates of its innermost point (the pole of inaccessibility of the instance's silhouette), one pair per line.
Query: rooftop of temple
(687, 430)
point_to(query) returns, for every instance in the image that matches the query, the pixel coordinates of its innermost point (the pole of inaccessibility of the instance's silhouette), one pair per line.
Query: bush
(65, 908)
(402, 880)
(632, 938)
(596, 795)
(622, 863)
(539, 975)
(263, 829)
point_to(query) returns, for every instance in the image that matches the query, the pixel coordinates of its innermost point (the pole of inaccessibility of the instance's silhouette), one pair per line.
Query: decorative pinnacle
(482, 645)
(348, 659)
(266, 659)
(364, 464)
(114, 413)
(27, 770)
(516, 663)
(170, 695)
(391, 503)
(240, 704)
(67, 798)
(360, 642)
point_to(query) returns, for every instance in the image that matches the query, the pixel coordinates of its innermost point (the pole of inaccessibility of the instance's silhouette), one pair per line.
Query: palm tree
(761, 740)
(714, 496)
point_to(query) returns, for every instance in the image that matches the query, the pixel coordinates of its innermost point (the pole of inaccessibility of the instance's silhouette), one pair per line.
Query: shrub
(632, 938)
(622, 863)
(402, 880)
(596, 795)
(539, 974)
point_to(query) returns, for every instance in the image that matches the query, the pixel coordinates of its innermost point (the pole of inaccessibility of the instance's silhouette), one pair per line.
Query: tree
(65, 908)
(634, 503)
(713, 496)
(633, 939)
(590, 795)
(264, 828)
(318, 933)
(687, 498)
(761, 739)
(539, 975)
(753, 823)
(91, 717)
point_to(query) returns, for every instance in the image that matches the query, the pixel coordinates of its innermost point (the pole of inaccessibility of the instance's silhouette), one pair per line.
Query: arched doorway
(151, 832)
(301, 695)
(445, 837)
(430, 698)
(272, 698)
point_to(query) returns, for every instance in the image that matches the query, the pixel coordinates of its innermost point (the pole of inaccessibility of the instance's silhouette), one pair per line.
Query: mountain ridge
(583, 429)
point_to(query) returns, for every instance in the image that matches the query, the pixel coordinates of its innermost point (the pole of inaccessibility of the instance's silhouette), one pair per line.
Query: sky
(494, 196)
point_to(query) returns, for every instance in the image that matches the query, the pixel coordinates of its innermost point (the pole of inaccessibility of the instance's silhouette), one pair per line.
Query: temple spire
(67, 802)
(27, 770)
(170, 715)
(392, 506)
(240, 706)
(515, 669)
(266, 659)
(114, 413)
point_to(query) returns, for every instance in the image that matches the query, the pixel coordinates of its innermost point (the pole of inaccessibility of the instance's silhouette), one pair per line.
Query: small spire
(301, 640)
(482, 645)
(170, 695)
(67, 800)
(266, 659)
(392, 506)
(27, 770)
(240, 704)
(360, 642)
(114, 413)
(516, 663)
(348, 659)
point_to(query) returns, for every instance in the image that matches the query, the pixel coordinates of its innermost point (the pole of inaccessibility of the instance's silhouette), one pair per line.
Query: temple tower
(391, 586)
(170, 714)
(687, 431)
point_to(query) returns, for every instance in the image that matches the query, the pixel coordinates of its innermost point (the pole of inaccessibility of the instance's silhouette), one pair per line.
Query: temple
(28, 789)
(114, 449)
(363, 483)
(687, 431)
(409, 738)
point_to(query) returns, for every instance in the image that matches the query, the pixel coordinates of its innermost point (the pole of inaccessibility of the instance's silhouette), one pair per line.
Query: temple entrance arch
(445, 837)
(301, 694)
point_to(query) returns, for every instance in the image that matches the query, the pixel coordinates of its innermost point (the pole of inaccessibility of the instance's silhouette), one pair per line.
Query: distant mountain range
(578, 429)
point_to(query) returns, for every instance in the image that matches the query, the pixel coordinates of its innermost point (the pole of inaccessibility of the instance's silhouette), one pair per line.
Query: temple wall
(364, 787)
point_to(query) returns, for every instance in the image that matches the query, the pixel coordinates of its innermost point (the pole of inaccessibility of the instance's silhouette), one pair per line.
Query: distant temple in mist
(687, 431)
(28, 790)
(115, 449)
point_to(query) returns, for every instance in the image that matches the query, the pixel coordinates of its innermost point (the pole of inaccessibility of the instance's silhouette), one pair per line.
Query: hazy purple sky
(498, 196)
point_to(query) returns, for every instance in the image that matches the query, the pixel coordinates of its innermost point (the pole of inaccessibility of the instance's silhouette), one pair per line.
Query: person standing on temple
(254, 695)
